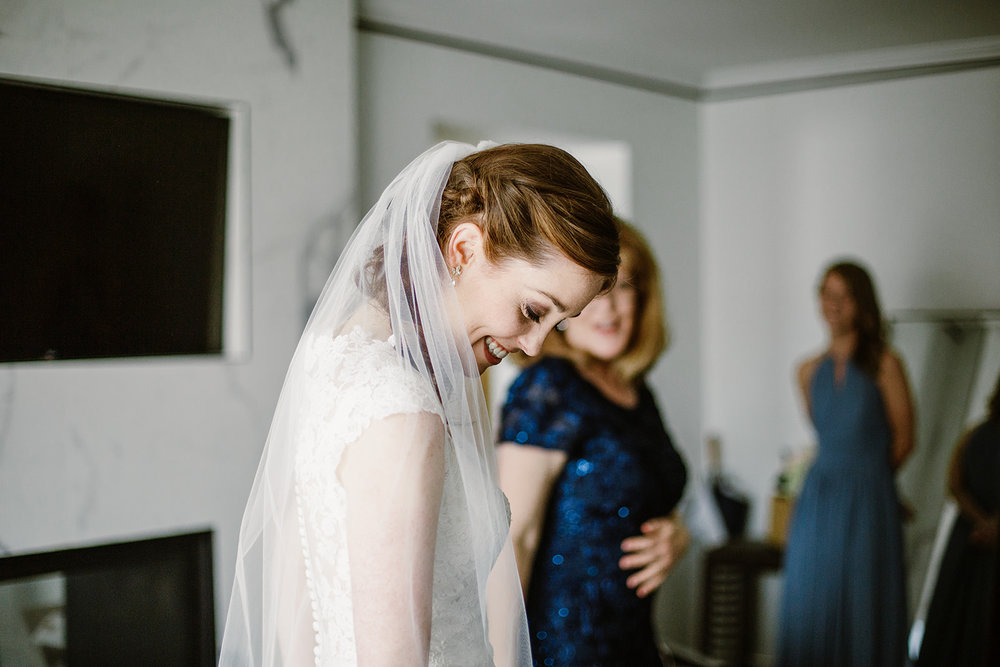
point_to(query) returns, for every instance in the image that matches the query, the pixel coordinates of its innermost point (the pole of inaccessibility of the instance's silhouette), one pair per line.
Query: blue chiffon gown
(621, 470)
(844, 601)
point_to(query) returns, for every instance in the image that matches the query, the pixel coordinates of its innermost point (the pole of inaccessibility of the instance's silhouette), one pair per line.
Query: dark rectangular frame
(194, 549)
(150, 147)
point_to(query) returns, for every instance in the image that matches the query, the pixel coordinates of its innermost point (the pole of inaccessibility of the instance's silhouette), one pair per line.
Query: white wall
(902, 174)
(95, 451)
(409, 89)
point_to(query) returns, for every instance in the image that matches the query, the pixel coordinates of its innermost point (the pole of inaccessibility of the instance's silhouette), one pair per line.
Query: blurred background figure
(844, 601)
(593, 477)
(958, 621)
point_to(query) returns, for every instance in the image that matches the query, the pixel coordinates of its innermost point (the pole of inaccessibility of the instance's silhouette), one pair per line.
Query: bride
(375, 533)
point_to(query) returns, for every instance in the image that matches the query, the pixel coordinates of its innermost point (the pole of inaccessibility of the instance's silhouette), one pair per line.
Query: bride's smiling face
(511, 306)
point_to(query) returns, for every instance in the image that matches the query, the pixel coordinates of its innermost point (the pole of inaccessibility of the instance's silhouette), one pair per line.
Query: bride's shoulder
(369, 369)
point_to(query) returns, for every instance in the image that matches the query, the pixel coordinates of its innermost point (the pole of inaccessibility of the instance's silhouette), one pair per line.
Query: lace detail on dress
(351, 381)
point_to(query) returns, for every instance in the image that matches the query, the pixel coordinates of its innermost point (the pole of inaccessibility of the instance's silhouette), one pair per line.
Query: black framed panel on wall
(143, 602)
(123, 224)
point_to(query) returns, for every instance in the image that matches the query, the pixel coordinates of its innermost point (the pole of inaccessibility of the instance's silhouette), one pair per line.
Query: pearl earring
(456, 271)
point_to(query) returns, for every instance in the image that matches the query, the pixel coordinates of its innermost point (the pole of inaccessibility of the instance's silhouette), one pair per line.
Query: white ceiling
(704, 48)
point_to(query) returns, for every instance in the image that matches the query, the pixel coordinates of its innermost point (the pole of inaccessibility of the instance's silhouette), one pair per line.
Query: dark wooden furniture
(730, 598)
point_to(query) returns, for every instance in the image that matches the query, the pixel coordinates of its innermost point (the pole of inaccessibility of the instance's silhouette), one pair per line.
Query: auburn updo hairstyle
(529, 200)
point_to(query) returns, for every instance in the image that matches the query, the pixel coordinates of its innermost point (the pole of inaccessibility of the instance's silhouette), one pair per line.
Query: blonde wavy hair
(650, 335)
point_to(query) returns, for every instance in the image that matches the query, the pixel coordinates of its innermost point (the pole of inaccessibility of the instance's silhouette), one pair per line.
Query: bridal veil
(382, 398)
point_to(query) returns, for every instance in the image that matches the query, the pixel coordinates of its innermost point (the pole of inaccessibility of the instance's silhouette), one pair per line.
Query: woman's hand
(654, 553)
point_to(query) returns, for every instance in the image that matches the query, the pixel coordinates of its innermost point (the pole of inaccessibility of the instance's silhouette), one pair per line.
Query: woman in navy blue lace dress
(593, 477)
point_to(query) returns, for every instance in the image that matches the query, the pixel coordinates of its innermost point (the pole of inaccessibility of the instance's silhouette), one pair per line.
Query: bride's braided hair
(529, 199)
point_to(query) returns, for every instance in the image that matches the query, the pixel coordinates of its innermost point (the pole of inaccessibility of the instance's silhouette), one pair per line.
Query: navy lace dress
(622, 469)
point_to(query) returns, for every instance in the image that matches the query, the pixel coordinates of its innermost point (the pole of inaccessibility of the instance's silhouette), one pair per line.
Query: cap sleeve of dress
(540, 409)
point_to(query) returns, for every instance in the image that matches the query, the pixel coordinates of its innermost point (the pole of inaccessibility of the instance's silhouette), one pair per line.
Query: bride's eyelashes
(531, 313)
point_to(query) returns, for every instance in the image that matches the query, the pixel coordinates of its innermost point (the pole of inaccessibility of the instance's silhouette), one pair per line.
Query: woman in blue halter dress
(844, 600)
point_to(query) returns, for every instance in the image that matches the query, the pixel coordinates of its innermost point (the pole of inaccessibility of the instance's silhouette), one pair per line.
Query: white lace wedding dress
(374, 529)
(351, 382)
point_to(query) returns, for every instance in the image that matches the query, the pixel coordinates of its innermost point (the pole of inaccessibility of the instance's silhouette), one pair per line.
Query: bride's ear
(465, 245)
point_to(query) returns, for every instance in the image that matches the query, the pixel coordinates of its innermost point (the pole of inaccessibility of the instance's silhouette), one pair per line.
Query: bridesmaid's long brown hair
(868, 324)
